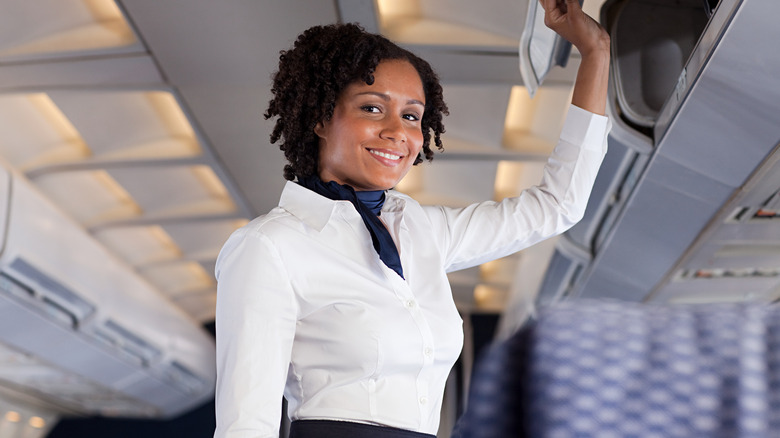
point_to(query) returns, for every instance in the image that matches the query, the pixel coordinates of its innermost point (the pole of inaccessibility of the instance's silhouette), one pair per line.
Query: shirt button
(410, 304)
(428, 351)
(423, 400)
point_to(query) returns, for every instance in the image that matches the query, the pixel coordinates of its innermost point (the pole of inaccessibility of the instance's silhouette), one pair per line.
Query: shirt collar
(316, 210)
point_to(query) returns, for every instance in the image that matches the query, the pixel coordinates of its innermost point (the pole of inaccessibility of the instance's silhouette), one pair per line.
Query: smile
(385, 155)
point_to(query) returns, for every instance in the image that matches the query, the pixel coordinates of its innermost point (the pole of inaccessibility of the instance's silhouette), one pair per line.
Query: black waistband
(348, 429)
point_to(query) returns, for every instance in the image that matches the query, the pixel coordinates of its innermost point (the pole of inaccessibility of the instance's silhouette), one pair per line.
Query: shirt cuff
(585, 128)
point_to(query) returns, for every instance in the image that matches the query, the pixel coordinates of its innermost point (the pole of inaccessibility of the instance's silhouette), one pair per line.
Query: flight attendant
(338, 298)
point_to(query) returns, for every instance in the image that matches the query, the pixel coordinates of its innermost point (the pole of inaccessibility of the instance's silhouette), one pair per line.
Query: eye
(411, 117)
(370, 108)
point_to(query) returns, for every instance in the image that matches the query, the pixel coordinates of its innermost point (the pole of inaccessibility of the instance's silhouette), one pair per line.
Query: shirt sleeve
(489, 230)
(255, 326)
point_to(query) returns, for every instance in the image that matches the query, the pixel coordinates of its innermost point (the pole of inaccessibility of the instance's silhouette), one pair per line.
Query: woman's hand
(568, 20)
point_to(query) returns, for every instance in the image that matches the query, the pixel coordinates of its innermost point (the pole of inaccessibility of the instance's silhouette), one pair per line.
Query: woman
(338, 298)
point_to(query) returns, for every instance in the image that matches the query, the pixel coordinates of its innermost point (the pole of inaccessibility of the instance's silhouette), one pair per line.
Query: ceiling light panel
(459, 23)
(500, 271)
(140, 245)
(179, 278)
(176, 191)
(534, 125)
(489, 298)
(92, 197)
(201, 306)
(128, 165)
(34, 132)
(128, 125)
(34, 29)
(512, 177)
(202, 241)
(474, 183)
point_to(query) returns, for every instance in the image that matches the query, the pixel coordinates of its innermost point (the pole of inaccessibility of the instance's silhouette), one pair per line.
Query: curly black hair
(323, 61)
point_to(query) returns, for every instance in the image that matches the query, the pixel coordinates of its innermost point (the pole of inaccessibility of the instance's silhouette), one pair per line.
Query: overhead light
(129, 167)
(512, 177)
(34, 132)
(89, 196)
(490, 298)
(37, 422)
(57, 28)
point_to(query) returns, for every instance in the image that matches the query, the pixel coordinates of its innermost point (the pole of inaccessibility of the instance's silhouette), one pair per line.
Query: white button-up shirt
(306, 308)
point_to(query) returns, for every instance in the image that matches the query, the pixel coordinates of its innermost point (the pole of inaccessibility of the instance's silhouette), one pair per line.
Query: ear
(319, 129)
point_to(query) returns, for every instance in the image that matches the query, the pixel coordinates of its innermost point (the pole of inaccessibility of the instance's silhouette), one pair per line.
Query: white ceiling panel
(90, 197)
(178, 278)
(175, 190)
(457, 23)
(433, 183)
(129, 124)
(140, 245)
(41, 28)
(34, 132)
(202, 306)
(202, 240)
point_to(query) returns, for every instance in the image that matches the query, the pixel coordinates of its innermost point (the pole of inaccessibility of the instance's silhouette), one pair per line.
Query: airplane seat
(599, 368)
(651, 43)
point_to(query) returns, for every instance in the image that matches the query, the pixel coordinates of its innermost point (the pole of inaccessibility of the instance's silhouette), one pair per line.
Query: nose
(393, 130)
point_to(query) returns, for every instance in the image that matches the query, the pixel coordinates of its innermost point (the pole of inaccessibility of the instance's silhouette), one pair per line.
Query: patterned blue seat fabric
(589, 368)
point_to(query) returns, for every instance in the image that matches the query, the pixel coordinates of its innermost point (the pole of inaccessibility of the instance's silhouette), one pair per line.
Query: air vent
(54, 294)
(54, 299)
(767, 212)
(699, 274)
(770, 210)
(182, 377)
(130, 344)
(13, 287)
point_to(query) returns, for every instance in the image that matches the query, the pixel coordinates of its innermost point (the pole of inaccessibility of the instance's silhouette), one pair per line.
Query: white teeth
(385, 155)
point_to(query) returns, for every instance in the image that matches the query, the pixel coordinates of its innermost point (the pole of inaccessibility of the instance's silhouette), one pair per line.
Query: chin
(382, 185)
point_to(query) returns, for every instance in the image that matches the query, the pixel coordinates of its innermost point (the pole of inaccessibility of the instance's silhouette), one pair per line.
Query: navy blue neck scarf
(369, 205)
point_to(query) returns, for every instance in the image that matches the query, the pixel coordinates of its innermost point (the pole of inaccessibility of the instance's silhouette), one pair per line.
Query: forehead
(393, 77)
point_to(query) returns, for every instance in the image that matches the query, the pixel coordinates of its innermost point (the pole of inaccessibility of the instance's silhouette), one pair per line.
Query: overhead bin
(567, 264)
(103, 341)
(737, 258)
(714, 130)
(651, 43)
(627, 155)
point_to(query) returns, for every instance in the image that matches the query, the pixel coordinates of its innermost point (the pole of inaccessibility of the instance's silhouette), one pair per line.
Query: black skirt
(348, 429)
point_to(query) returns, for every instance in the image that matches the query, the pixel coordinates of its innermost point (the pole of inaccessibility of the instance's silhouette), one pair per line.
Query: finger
(552, 12)
(547, 5)
(573, 7)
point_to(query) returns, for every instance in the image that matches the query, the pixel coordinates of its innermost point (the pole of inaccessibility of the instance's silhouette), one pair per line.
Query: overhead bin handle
(540, 49)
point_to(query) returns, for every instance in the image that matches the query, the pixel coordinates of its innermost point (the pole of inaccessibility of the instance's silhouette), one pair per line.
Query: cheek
(417, 141)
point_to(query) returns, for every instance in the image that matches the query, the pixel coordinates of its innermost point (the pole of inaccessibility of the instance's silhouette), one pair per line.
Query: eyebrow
(385, 97)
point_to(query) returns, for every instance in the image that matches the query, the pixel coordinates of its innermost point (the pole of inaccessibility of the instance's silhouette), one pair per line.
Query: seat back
(595, 368)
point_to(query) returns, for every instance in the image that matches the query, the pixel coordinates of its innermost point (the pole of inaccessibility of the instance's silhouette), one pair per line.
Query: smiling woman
(311, 83)
(339, 298)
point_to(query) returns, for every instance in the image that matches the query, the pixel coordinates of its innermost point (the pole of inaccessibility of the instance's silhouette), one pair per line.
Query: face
(375, 133)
